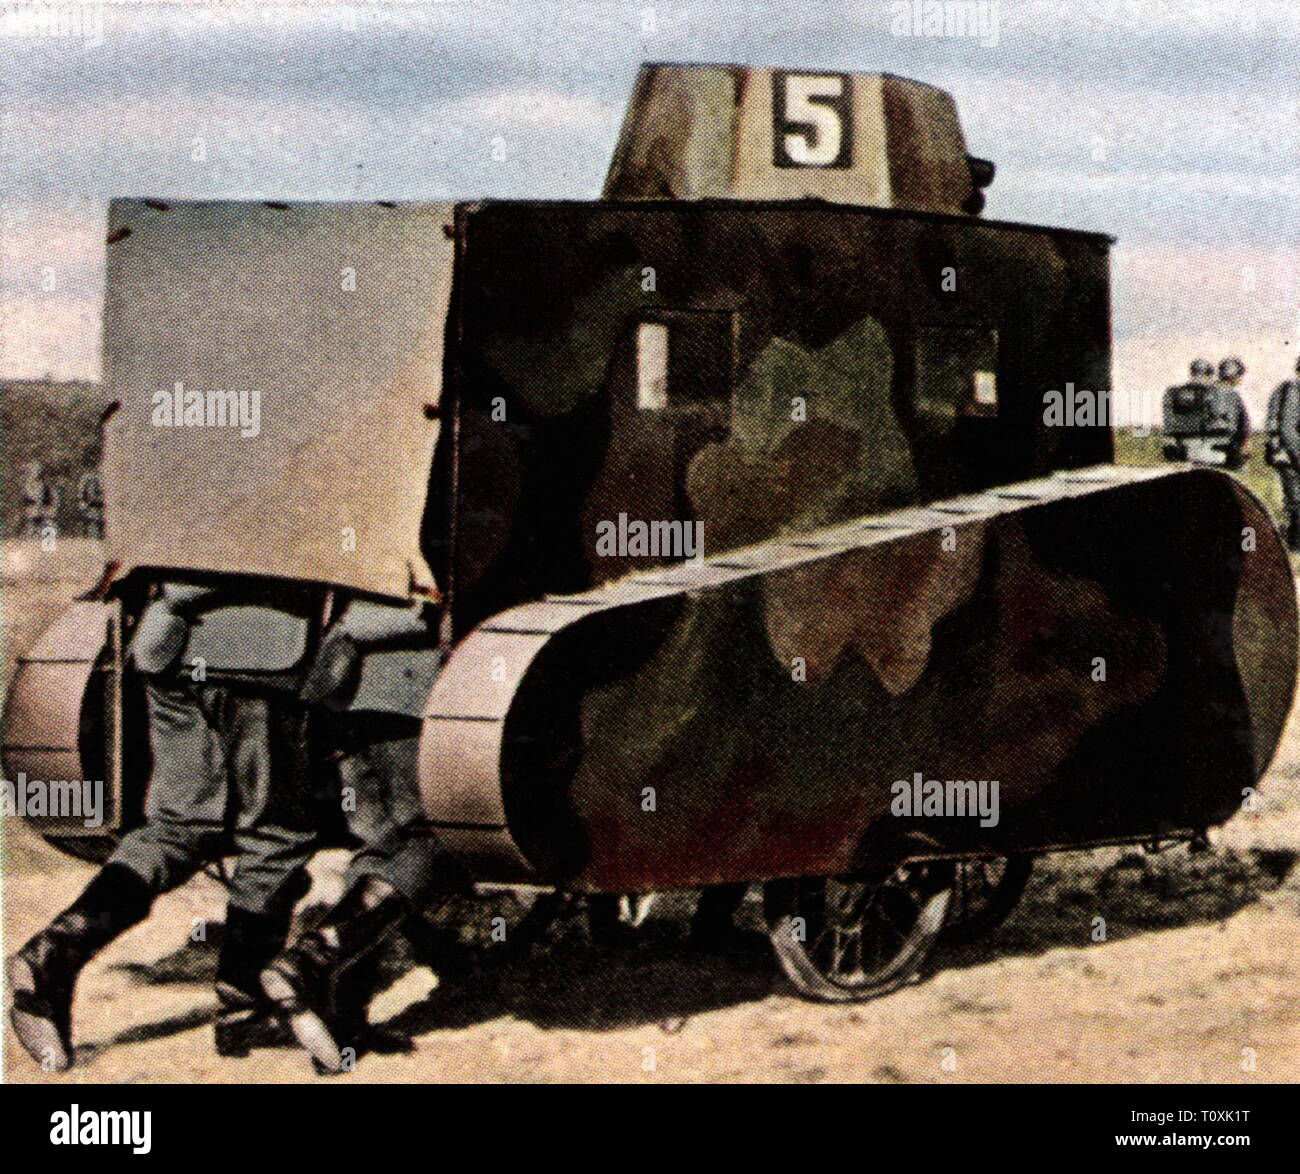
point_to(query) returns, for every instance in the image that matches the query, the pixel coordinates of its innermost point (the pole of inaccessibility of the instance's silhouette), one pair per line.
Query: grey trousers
(229, 778)
(381, 802)
(1290, 478)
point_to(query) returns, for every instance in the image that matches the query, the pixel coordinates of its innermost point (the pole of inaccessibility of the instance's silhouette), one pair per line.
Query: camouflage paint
(968, 662)
(815, 303)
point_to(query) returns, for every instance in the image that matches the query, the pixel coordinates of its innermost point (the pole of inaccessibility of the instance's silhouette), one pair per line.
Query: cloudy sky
(1172, 124)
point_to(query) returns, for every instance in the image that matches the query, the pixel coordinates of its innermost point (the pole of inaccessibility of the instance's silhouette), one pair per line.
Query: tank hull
(1115, 649)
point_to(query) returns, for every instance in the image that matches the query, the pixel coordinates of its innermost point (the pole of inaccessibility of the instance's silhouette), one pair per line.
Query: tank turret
(716, 131)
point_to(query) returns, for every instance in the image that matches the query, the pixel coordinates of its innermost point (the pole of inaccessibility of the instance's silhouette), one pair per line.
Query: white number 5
(813, 102)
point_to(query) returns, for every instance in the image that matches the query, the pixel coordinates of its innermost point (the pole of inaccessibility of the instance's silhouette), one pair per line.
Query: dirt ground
(1198, 978)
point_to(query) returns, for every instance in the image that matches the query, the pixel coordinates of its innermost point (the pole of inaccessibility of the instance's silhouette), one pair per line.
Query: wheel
(843, 939)
(985, 894)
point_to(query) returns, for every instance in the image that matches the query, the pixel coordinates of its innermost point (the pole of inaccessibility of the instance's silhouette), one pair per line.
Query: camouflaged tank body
(693, 697)
(838, 314)
(919, 342)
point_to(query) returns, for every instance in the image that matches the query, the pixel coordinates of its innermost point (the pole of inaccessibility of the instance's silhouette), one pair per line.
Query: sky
(1174, 125)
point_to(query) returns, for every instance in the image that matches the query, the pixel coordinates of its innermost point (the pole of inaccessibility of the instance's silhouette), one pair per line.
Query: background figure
(1186, 413)
(1283, 451)
(90, 501)
(1229, 423)
(40, 501)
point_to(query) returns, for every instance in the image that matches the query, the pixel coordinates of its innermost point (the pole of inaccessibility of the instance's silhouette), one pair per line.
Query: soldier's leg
(325, 982)
(160, 855)
(1290, 477)
(274, 837)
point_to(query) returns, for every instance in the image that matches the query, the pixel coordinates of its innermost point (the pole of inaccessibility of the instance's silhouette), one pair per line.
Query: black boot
(308, 983)
(246, 1018)
(245, 1022)
(351, 1026)
(43, 974)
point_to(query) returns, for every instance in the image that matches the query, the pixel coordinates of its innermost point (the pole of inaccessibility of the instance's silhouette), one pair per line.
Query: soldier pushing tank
(600, 725)
(228, 777)
(375, 666)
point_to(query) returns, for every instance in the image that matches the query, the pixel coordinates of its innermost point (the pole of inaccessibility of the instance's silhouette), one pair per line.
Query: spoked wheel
(985, 893)
(842, 939)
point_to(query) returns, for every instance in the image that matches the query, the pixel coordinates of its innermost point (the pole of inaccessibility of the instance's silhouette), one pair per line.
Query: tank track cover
(748, 715)
(785, 324)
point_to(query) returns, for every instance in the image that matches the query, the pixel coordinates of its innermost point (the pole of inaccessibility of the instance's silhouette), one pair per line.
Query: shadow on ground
(652, 976)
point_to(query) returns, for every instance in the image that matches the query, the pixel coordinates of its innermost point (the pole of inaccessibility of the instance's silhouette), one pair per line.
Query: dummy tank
(750, 553)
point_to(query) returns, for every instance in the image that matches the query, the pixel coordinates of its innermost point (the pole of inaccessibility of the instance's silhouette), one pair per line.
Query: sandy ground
(1198, 978)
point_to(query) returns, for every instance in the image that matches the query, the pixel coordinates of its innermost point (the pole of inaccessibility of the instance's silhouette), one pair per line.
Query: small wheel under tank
(844, 939)
(985, 893)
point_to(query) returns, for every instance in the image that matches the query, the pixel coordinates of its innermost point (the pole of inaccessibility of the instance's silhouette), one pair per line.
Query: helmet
(1202, 369)
(1232, 369)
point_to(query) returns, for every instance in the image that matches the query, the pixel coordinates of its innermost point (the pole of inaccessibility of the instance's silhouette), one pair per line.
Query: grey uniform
(90, 501)
(40, 504)
(229, 771)
(1284, 448)
(1187, 409)
(1205, 423)
(1229, 420)
(379, 699)
(377, 771)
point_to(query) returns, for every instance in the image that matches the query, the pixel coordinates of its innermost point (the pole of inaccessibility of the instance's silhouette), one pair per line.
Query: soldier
(1283, 451)
(375, 666)
(40, 502)
(1186, 412)
(228, 771)
(90, 501)
(1228, 413)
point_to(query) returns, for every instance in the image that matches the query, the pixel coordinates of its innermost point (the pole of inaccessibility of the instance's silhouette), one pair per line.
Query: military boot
(43, 974)
(312, 983)
(246, 1018)
(351, 1026)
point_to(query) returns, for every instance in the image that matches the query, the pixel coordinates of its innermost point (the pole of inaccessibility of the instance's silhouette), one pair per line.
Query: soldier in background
(90, 501)
(1187, 413)
(229, 772)
(40, 502)
(1228, 418)
(1283, 451)
(374, 669)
